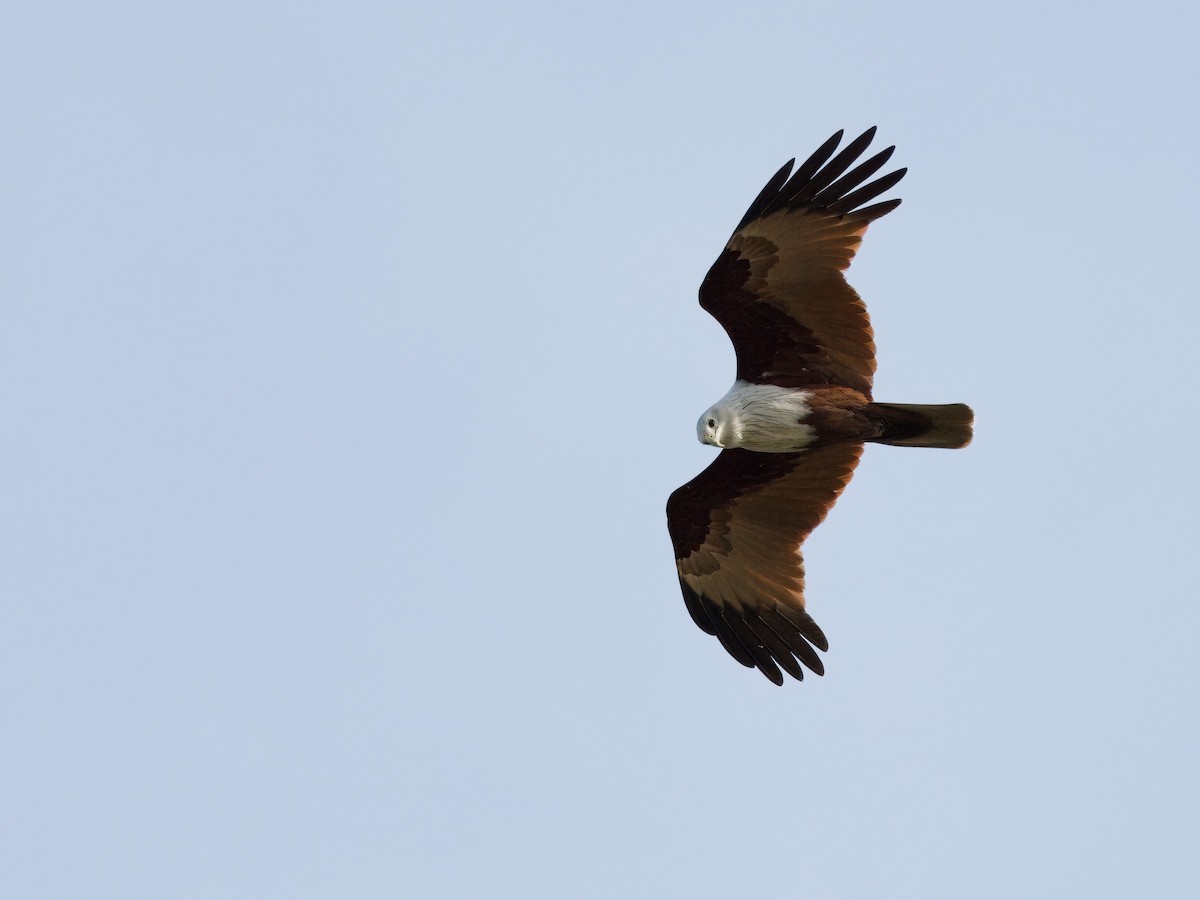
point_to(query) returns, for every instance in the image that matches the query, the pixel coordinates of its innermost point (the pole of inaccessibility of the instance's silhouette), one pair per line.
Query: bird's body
(792, 427)
(768, 418)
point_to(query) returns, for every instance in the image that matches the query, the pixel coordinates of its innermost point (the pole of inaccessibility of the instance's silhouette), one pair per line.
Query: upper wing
(777, 287)
(737, 529)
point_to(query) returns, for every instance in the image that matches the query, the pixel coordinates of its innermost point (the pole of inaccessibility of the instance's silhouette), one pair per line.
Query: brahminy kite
(792, 427)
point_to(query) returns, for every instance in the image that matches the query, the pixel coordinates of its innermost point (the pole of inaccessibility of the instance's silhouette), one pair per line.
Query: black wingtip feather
(865, 193)
(804, 624)
(697, 608)
(855, 177)
(768, 194)
(779, 649)
(819, 157)
(822, 183)
(795, 641)
(767, 640)
(732, 643)
(754, 644)
(878, 211)
(836, 166)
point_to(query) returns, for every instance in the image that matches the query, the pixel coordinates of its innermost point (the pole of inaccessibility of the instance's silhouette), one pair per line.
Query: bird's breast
(770, 418)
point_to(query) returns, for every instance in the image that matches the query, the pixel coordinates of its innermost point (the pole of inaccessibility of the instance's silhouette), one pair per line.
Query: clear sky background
(349, 352)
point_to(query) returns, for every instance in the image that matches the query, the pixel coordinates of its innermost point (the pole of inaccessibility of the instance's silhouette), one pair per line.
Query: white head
(720, 426)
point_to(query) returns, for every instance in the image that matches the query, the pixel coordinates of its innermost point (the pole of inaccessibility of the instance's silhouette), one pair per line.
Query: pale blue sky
(350, 352)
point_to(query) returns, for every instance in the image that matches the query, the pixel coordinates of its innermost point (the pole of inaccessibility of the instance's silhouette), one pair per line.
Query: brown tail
(923, 425)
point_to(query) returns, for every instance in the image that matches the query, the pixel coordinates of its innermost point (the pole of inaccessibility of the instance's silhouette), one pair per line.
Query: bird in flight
(792, 427)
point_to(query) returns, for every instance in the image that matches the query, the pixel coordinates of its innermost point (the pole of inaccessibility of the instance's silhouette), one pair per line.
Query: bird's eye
(712, 423)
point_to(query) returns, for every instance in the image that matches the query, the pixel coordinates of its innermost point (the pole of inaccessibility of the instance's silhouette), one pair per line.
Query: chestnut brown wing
(737, 529)
(778, 289)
